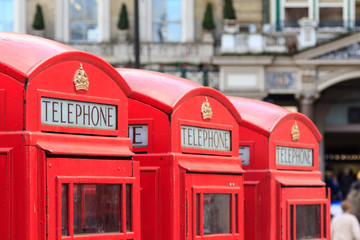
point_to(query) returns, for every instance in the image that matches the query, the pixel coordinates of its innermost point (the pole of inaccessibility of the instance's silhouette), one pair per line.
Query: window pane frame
(235, 195)
(291, 219)
(123, 181)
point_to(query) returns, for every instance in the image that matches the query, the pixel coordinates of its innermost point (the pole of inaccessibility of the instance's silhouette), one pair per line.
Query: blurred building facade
(302, 54)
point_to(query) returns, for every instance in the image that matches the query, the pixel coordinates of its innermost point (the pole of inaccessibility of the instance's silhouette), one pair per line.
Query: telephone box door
(213, 205)
(305, 212)
(90, 198)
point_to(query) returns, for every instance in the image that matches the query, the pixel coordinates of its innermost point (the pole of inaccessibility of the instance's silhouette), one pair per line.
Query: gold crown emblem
(81, 80)
(206, 110)
(295, 133)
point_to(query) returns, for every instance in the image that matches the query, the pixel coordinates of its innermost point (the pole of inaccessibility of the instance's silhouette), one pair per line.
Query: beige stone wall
(115, 8)
(247, 11)
(48, 8)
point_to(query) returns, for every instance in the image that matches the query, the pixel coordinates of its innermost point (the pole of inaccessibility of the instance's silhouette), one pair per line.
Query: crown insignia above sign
(206, 110)
(81, 80)
(295, 133)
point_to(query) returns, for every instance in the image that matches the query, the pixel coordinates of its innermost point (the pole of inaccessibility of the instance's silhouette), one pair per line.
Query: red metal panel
(34, 54)
(80, 145)
(5, 156)
(281, 136)
(296, 178)
(264, 117)
(158, 122)
(11, 103)
(189, 113)
(150, 200)
(2, 109)
(62, 87)
(204, 165)
(165, 92)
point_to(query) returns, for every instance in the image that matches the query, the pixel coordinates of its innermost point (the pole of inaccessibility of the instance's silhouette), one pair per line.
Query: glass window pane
(173, 32)
(64, 210)
(6, 15)
(197, 214)
(308, 222)
(216, 213)
(83, 20)
(331, 17)
(293, 15)
(159, 10)
(128, 208)
(236, 213)
(174, 10)
(324, 221)
(291, 222)
(97, 208)
(166, 20)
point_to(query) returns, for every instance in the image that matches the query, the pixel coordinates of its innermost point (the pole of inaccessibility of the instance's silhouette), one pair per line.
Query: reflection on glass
(236, 213)
(96, 208)
(324, 221)
(83, 20)
(64, 210)
(128, 208)
(166, 20)
(291, 222)
(216, 213)
(308, 221)
(6, 15)
(197, 214)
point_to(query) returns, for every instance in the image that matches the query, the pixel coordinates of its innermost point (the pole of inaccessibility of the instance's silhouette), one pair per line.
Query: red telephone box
(66, 169)
(285, 197)
(185, 137)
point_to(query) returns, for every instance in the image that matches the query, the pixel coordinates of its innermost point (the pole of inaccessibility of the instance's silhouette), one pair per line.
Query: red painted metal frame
(200, 183)
(321, 202)
(310, 196)
(60, 170)
(123, 181)
(226, 190)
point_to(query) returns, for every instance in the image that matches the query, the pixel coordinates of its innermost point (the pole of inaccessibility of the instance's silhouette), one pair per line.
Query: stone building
(301, 54)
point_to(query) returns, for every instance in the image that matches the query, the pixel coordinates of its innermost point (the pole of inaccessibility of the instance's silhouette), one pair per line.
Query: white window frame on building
(62, 22)
(277, 15)
(19, 16)
(146, 21)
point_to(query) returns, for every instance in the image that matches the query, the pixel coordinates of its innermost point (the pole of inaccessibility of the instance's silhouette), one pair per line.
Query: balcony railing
(208, 78)
(151, 53)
